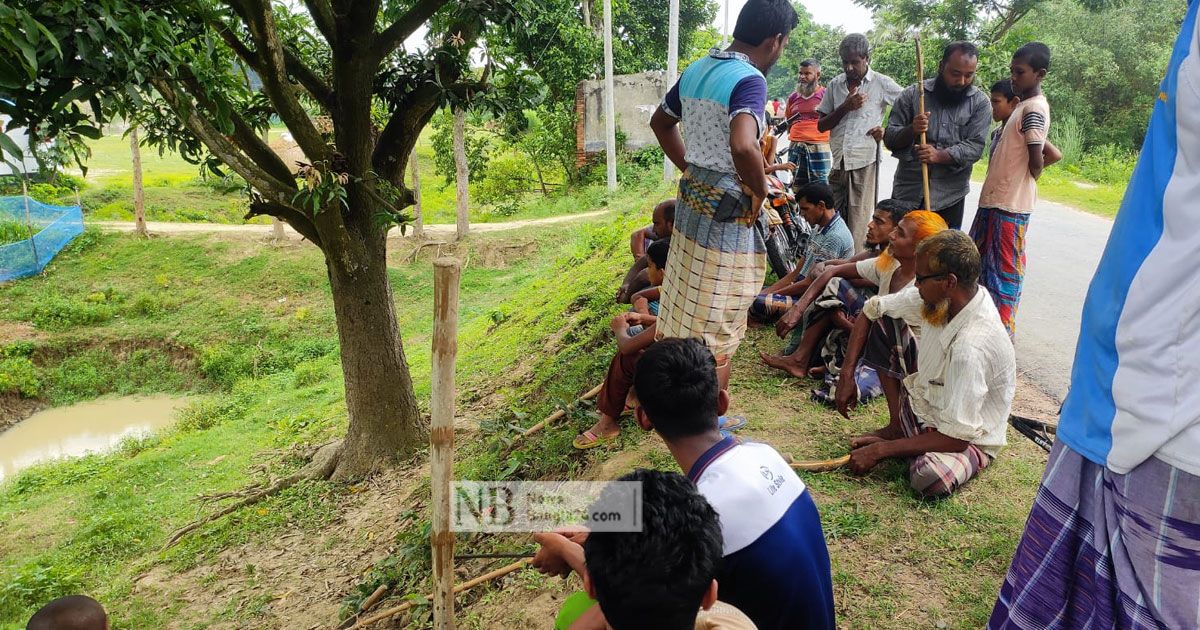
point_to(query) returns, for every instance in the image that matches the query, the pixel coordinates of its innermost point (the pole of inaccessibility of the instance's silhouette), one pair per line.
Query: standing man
(810, 146)
(718, 259)
(1113, 537)
(852, 110)
(955, 123)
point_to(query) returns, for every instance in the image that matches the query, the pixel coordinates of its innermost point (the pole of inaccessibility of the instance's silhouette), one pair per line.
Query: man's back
(776, 567)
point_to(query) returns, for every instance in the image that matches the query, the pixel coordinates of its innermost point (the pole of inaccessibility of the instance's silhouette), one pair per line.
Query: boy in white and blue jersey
(776, 565)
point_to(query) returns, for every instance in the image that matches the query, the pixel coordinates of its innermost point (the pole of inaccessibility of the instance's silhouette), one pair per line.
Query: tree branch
(181, 102)
(322, 15)
(402, 28)
(298, 220)
(317, 87)
(272, 69)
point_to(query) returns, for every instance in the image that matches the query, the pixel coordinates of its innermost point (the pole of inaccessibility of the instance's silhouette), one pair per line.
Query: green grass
(12, 232)
(1061, 186)
(250, 329)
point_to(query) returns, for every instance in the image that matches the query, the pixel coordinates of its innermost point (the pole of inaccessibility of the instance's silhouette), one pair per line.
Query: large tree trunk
(385, 422)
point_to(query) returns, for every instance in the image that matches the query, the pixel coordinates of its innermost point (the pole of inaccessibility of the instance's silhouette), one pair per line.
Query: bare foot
(882, 435)
(817, 372)
(787, 364)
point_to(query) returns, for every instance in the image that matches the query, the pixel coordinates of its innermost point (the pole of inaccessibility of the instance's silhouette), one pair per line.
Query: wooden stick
(29, 223)
(446, 274)
(557, 415)
(823, 465)
(487, 577)
(921, 110)
(493, 556)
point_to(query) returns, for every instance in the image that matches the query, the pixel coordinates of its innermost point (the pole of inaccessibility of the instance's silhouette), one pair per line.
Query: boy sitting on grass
(662, 577)
(646, 300)
(776, 565)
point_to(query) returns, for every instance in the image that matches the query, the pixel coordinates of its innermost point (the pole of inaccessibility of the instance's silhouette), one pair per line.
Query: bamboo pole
(418, 211)
(139, 195)
(921, 110)
(487, 577)
(557, 415)
(446, 273)
(29, 223)
(462, 174)
(610, 108)
(672, 70)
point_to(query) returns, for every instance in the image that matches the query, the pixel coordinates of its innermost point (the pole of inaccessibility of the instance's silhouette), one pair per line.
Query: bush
(509, 177)
(1067, 134)
(19, 376)
(1107, 164)
(60, 313)
(34, 585)
(648, 157)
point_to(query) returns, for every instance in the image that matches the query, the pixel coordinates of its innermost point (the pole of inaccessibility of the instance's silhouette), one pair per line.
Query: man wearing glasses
(954, 408)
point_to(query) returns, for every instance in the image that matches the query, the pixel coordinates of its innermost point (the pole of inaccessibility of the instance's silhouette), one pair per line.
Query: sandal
(588, 440)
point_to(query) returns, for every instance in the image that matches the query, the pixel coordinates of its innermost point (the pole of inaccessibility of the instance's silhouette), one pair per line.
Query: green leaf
(7, 145)
(78, 93)
(88, 131)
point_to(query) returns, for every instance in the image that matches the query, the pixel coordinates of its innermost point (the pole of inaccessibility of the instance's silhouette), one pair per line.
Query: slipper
(731, 423)
(587, 440)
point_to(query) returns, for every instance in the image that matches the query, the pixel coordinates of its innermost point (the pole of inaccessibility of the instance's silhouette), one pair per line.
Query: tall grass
(1068, 135)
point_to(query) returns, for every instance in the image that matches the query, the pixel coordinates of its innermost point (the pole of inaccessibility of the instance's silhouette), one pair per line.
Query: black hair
(657, 578)
(1003, 87)
(676, 385)
(952, 251)
(657, 252)
(854, 44)
(815, 193)
(74, 612)
(966, 48)
(761, 20)
(1036, 54)
(810, 63)
(896, 208)
(668, 209)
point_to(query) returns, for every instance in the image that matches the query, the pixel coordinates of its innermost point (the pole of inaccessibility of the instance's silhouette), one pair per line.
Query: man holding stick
(955, 125)
(852, 111)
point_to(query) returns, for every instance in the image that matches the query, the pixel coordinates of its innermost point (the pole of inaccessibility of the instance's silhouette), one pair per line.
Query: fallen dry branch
(822, 465)
(396, 610)
(554, 417)
(412, 256)
(321, 466)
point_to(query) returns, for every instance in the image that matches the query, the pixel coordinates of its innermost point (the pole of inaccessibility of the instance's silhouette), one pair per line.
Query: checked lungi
(1000, 237)
(938, 474)
(716, 264)
(813, 161)
(1106, 550)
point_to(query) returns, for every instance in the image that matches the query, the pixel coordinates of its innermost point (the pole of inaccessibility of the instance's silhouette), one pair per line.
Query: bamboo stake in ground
(446, 272)
(29, 223)
(396, 610)
(921, 110)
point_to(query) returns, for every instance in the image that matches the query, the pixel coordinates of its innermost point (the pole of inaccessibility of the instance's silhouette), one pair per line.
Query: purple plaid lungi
(1105, 550)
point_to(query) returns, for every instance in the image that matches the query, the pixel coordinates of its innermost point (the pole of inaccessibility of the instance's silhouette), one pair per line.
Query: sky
(843, 13)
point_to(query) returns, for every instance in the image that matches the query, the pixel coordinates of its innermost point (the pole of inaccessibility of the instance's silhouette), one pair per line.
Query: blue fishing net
(52, 228)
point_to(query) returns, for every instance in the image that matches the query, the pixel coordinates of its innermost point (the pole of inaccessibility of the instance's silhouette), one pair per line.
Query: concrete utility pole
(139, 198)
(461, 172)
(610, 123)
(418, 215)
(672, 71)
(725, 31)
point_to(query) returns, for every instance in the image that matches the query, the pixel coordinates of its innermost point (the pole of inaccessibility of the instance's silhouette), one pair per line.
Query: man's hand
(551, 556)
(788, 166)
(621, 322)
(876, 132)
(863, 459)
(623, 294)
(920, 124)
(788, 322)
(930, 154)
(845, 397)
(855, 100)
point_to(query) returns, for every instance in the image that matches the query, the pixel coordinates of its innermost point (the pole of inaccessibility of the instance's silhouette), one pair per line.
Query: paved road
(1063, 247)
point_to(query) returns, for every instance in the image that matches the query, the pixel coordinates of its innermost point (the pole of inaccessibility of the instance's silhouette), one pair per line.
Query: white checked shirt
(849, 140)
(966, 370)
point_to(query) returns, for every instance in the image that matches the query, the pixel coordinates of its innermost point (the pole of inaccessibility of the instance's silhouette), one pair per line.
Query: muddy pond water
(89, 427)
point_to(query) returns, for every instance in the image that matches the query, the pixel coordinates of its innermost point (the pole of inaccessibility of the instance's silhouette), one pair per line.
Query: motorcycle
(780, 225)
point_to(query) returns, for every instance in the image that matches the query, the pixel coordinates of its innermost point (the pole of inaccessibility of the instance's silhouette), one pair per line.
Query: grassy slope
(533, 335)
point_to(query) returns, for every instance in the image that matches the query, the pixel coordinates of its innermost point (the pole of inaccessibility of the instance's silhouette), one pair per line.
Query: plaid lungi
(813, 161)
(716, 264)
(767, 308)
(1000, 237)
(1105, 550)
(938, 474)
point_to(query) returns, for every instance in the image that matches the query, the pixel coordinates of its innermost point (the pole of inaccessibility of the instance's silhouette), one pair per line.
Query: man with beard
(851, 111)
(954, 408)
(810, 146)
(955, 122)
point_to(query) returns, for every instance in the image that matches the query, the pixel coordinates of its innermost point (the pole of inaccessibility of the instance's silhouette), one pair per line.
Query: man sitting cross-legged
(829, 240)
(776, 566)
(663, 576)
(954, 409)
